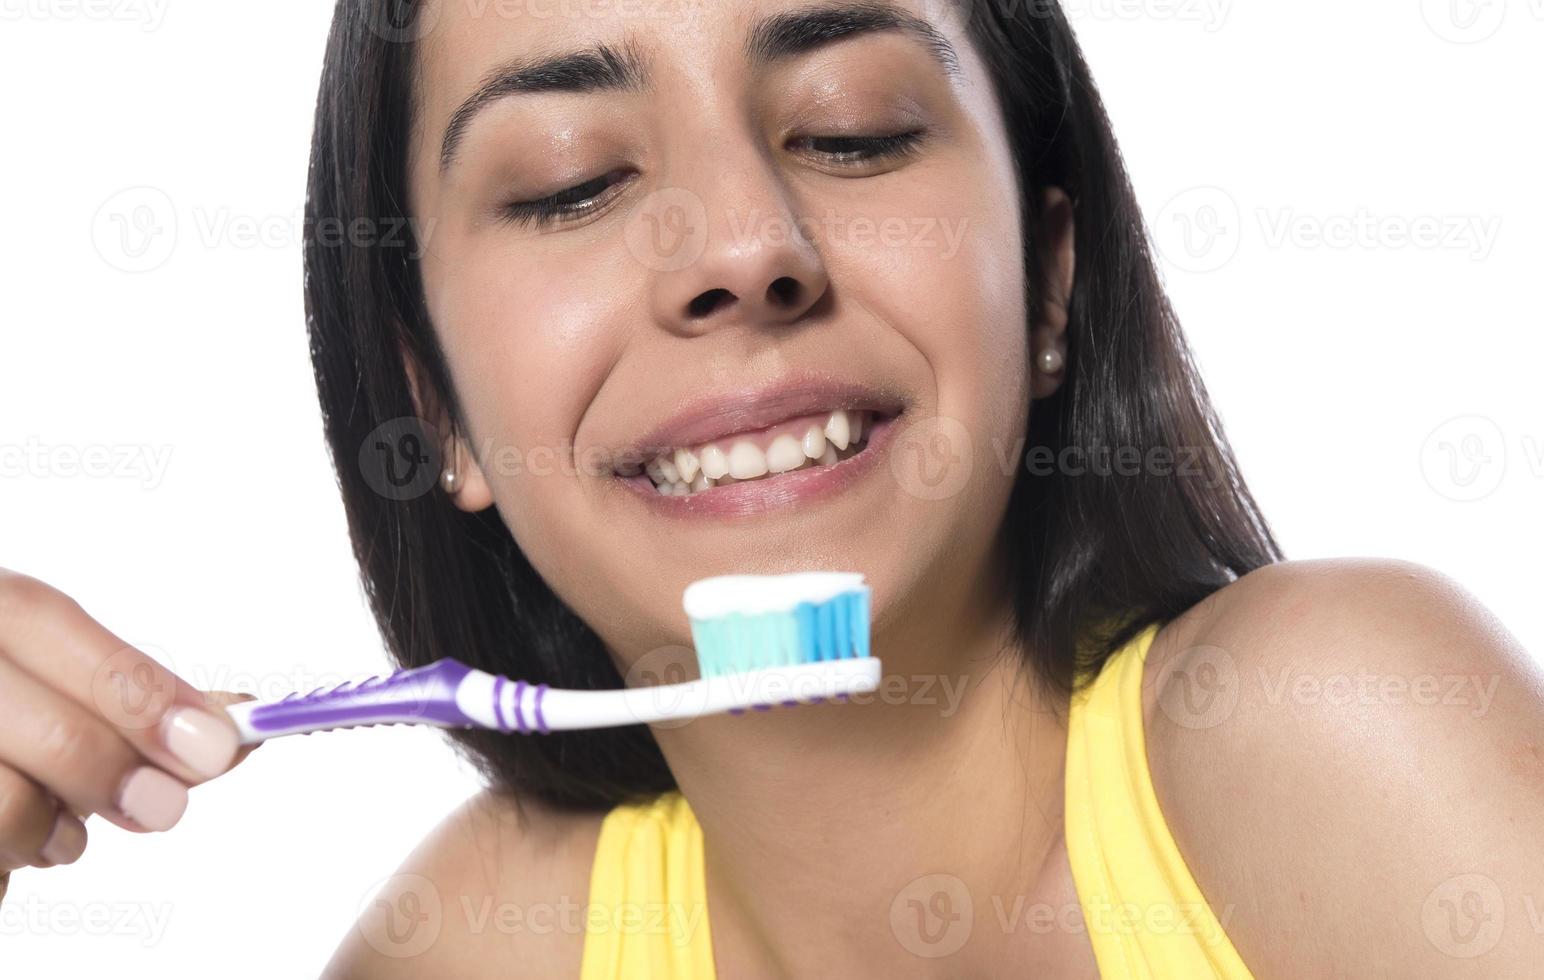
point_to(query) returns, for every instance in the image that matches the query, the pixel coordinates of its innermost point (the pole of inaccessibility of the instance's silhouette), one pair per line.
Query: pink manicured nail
(152, 799)
(199, 739)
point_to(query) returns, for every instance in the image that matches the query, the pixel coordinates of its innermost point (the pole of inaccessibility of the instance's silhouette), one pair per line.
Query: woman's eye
(567, 205)
(584, 199)
(853, 150)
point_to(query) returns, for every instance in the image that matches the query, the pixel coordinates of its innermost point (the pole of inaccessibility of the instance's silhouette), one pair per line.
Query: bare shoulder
(496, 890)
(1350, 755)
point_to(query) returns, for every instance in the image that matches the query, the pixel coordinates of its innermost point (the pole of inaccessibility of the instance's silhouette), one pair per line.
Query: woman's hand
(89, 724)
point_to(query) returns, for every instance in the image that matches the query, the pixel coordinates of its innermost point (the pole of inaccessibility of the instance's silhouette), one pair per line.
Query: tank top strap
(1146, 916)
(647, 915)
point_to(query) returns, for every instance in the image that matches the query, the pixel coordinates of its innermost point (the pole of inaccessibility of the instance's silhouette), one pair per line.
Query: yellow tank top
(1145, 915)
(648, 908)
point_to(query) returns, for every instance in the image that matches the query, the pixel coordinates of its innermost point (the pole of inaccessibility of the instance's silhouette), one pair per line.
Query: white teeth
(714, 463)
(682, 472)
(686, 464)
(746, 462)
(836, 429)
(785, 454)
(814, 442)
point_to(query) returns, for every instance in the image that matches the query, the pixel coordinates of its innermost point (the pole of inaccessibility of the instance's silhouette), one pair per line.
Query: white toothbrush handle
(793, 684)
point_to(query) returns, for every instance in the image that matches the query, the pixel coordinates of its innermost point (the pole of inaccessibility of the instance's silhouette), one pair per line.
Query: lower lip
(771, 493)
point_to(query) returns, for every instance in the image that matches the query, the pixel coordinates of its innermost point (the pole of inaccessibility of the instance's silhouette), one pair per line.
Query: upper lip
(713, 416)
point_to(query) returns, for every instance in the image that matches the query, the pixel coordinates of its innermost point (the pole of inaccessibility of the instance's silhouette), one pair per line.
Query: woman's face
(768, 220)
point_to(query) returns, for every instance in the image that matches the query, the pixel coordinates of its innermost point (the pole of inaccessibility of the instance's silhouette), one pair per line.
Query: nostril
(707, 302)
(784, 289)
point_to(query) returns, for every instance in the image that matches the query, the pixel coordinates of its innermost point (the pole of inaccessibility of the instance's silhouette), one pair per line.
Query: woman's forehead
(466, 41)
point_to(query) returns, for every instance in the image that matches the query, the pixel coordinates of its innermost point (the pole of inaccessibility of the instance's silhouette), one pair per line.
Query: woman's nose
(738, 254)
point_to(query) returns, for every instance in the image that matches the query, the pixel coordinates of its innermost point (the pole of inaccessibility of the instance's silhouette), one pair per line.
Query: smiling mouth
(794, 445)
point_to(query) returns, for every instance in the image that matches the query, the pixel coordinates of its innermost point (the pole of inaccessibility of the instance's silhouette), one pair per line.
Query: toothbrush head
(742, 623)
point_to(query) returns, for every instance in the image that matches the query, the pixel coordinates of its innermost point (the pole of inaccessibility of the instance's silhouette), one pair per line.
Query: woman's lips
(714, 416)
(807, 440)
(774, 491)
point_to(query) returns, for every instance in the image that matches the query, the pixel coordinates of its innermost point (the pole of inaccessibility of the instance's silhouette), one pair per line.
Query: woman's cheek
(954, 287)
(534, 376)
(965, 312)
(998, 360)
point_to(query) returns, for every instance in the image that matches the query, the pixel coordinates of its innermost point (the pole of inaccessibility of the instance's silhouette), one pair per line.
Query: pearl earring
(1049, 361)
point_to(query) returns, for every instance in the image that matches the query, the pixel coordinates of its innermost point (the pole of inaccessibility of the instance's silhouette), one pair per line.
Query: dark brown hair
(1096, 550)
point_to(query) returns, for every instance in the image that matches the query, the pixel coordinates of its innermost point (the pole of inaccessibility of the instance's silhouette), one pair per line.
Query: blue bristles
(736, 642)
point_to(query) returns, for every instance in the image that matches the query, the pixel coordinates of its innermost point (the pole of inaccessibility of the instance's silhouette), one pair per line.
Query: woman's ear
(1055, 244)
(460, 478)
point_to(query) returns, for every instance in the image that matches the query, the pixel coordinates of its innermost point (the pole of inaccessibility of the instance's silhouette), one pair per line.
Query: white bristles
(750, 594)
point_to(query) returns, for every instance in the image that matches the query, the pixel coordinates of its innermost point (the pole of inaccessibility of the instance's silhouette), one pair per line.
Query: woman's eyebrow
(793, 33)
(602, 68)
(606, 68)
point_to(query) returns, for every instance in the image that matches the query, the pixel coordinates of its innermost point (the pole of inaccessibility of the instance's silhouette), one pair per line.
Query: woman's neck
(837, 836)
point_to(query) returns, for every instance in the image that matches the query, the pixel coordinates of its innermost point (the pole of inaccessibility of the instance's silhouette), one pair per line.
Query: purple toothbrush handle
(418, 695)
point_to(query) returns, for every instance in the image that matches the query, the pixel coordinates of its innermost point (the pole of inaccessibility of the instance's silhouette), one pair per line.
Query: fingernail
(152, 799)
(199, 739)
(66, 842)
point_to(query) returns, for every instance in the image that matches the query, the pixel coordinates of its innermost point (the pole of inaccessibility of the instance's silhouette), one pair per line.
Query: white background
(1281, 152)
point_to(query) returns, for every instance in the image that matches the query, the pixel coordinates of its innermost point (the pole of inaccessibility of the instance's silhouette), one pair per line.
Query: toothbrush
(761, 640)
